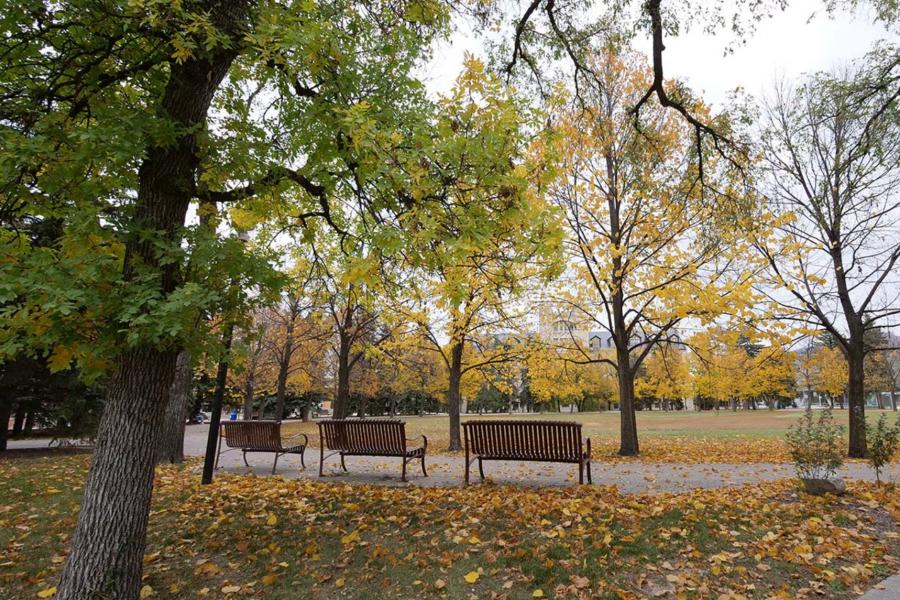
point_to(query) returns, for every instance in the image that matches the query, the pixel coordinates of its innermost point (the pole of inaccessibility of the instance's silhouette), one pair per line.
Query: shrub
(815, 445)
(882, 442)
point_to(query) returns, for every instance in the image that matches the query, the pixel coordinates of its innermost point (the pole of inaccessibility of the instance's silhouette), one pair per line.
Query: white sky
(783, 47)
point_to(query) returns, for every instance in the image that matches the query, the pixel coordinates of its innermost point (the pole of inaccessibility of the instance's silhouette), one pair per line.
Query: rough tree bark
(5, 412)
(249, 390)
(628, 442)
(19, 419)
(171, 442)
(284, 366)
(342, 397)
(856, 402)
(107, 548)
(454, 397)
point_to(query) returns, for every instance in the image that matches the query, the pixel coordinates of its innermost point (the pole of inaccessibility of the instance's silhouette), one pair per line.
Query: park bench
(544, 441)
(259, 436)
(368, 437)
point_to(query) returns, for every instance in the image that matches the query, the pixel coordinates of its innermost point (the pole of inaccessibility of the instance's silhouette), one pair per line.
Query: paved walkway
(889, 589)
(631, 477)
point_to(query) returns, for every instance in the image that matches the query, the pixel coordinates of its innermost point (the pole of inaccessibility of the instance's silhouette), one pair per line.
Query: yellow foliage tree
(650, 242)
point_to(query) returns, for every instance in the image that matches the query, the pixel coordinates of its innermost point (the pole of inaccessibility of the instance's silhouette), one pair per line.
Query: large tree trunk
(284, 366)
(107, 548)
(5, 412)
(628, 440)
(342, 396)
(894, 400)
(249, 389)
(856, 401)
(454, 397)
(628, 443)
(171, 442)
(19, 419)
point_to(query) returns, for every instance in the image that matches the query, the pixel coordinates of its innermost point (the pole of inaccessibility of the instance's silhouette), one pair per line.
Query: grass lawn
(682, 436)
(271, 538)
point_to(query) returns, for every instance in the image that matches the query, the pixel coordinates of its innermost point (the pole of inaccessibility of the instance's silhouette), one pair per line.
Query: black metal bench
(368, 437)
(543, 441)
(259, 436)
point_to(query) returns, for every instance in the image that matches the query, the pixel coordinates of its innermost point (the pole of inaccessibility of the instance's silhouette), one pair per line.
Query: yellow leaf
(538, 593)
(340, 582)
(269, 579)
(350, 537)
(231, 589)
(146, 592)
(60, 359)
(471, 577)
(440, 584)
(47, 593)
(271, 520)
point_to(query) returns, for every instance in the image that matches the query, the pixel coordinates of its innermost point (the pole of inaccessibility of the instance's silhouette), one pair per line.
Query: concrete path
(630, 478)
(889, 589)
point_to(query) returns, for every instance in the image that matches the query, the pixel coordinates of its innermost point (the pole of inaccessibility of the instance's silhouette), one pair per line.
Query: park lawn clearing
(255, 537)
(687, 437)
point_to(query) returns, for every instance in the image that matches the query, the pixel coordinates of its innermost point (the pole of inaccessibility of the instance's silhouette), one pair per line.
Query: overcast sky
(785, 46)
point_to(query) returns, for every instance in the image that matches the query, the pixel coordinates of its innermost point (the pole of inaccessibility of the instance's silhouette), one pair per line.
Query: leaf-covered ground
(271, 538)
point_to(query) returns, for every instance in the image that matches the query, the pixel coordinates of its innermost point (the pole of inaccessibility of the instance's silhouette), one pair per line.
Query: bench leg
(403, 476)
(343, 464)
(321, 456)
(589, 471)
(218, 452)
(245, 458)
(275, 464)
(302, 462)
(424, 472)
(580, 472)
(467, 470)
(481, 468)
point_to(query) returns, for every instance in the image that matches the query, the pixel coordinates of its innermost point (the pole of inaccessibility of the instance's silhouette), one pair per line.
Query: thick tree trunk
(857, 403)
(249, 389)
(894, 400)
(628, 443)
(454, 397)
(171, 442)
(284, 366)
(19, 419)
(342, 395)
(5, 413)
(29, 422)
(107, 548)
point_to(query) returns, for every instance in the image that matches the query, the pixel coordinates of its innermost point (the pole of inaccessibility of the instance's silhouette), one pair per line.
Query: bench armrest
(424, 441)
(298, 435)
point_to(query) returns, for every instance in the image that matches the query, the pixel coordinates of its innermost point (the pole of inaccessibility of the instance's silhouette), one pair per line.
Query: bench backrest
(258, 435)
(555, 440)
(363, 435)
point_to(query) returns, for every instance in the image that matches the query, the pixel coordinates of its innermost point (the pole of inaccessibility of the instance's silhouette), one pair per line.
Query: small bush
(815, 445)
(882, 442)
